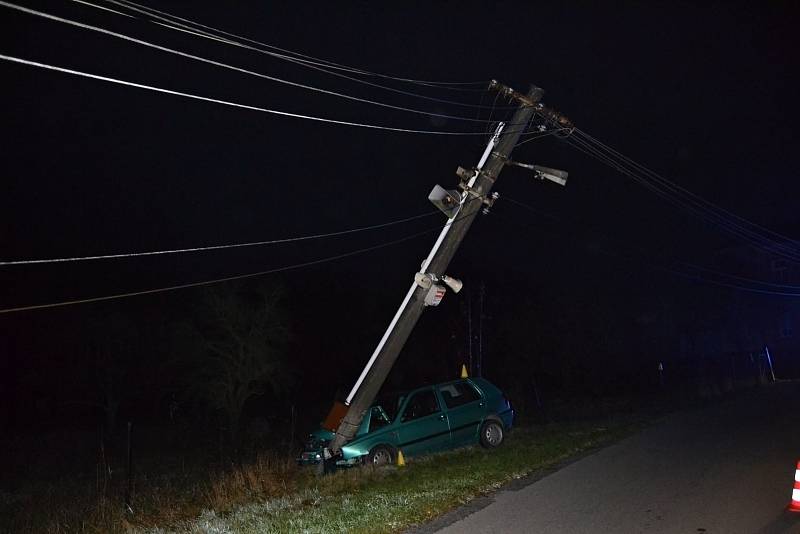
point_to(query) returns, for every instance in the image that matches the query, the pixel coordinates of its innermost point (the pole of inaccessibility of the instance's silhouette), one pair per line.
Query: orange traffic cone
(401, 460)
(794, 506)
(464, 373)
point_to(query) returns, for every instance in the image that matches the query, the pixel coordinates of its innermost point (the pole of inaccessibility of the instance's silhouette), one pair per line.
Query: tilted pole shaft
(384, 357)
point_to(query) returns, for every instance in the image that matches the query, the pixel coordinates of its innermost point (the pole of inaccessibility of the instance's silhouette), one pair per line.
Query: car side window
(421, 404)
(459, 394)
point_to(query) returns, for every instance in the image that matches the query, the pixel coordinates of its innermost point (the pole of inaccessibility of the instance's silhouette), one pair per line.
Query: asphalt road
(725, 469)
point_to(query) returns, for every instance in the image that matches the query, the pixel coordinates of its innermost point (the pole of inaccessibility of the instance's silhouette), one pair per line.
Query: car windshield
(390, 403)
(379, 419)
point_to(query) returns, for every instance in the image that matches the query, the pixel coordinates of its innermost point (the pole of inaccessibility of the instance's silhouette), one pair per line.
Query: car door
(465, 411)
(422, 426)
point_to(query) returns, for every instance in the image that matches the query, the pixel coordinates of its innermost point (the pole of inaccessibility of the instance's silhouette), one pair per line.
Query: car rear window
(459, 394)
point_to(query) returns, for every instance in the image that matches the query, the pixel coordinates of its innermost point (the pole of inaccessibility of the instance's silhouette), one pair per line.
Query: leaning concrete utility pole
(429, 284)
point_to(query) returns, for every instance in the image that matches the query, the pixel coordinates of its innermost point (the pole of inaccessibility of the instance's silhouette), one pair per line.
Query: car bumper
(309, 457)
(508, 417)
(315, 457)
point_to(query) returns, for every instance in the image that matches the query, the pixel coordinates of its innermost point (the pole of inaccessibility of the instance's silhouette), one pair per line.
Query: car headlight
(350, 452)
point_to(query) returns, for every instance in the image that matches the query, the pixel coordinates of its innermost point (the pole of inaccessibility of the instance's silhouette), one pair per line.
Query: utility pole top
(532, 100)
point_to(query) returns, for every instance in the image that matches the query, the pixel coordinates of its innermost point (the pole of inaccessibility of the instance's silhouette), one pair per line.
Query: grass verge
(391, 499)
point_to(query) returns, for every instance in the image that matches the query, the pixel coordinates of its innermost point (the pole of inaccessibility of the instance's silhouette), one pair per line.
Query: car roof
(404, 394)
(456, 381)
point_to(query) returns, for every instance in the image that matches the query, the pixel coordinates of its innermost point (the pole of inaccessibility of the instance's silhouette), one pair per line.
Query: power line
(320, 67)
(215, 281)
(439, 84)
(547, 133)
(694, 204)
(736, 277)
(217, 247)
(228, 66)
(104, 8)
(315, 65)
(118, 81)
(685, 191)
(327, 259)
(692, 207)
(696, 277)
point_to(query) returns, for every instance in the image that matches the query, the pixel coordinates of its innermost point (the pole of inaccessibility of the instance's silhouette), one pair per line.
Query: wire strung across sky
(219, 247)
(685, 191)
(217, 280)
(231, 67)
(46, 66)
(728, 280)
(749, 237)
(149, 11)
(686, 198)
(750, 232)
(539, 134)
(104, 8)
(118, 81)
(297, 59)
(285, 268)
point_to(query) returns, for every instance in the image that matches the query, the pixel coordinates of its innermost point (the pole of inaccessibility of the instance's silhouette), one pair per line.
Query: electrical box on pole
(431, 282)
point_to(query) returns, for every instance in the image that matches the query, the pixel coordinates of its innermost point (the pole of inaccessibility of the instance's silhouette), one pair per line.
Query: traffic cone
(464, 373)
(401, 461)
(794, 506)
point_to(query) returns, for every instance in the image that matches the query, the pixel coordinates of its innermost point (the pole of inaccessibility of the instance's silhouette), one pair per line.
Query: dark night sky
(704, 95)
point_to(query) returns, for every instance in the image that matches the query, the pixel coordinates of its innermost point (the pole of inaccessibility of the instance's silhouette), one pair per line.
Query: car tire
(492, 434)
(380, 455)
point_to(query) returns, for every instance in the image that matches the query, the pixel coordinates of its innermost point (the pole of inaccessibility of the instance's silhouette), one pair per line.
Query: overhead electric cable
(318, 66)
(697, 278)
(714, 218)
(104, 8)
(547, 133)
(327, 259)
(197, 34)
(692, 206)
(696, 204)
(219, 247)
(439, 84)
(227, 66)
(683, 190)
(64, 70)
(536, 211)
(742, 278)
(730, 285)
(215, 281)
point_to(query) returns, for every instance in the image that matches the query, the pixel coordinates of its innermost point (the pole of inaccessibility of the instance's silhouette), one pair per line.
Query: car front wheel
(492, 434)
(380, 455)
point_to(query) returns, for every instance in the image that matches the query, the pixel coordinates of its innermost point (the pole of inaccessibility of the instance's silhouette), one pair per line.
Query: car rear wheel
(380, 455)
(492, 434)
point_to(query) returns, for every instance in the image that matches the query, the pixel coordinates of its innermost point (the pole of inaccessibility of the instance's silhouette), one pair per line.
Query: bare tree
(243, 340)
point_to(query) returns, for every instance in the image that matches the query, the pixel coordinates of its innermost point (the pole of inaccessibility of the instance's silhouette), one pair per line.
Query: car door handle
(481, 403)
(441, 417)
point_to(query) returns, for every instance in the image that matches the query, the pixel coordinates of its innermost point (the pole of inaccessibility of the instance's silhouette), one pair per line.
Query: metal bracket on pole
(467, 176)
(489, 202)
(532, 101)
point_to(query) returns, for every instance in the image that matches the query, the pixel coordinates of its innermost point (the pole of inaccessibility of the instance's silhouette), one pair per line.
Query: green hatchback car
(428, 419)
